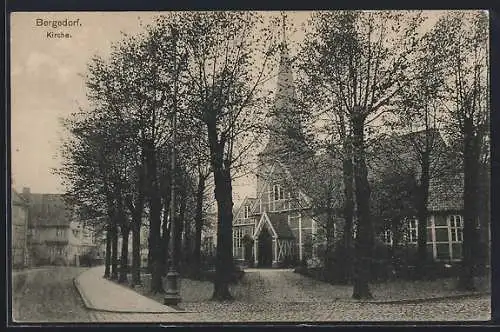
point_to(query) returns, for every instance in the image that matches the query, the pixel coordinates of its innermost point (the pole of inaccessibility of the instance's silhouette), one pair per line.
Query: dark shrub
(301, 269)
(59, 261)
(288, 262)
(381, 265)
(335, 264)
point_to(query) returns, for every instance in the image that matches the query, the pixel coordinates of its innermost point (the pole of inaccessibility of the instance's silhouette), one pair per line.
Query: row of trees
(171, 111)
(194, 86)
(365, 75)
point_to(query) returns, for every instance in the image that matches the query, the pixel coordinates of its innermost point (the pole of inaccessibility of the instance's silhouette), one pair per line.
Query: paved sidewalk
(101, 294)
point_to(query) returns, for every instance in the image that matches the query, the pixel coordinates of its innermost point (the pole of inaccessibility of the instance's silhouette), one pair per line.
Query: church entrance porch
(274, 241)
(265, 249)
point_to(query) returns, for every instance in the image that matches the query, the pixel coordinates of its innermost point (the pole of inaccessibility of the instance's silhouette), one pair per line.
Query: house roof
(17, 199)
(399, 152)
(446, 193)
(48, 210)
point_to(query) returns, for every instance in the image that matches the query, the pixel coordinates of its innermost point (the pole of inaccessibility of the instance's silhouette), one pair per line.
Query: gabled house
(55, 234)
(445, 202)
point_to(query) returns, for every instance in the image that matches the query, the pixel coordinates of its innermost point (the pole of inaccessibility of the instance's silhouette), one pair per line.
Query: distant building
(55, 234)
(19, 219)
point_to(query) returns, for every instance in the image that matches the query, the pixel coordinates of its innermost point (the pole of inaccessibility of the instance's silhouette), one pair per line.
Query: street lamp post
(172, 294)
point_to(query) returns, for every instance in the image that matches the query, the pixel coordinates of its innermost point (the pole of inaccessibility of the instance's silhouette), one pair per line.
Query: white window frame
(278, 193)
(237, 236)
(59, 232)
(436, 242)
(387, 237)
(412, 228)
(456, 226)
(246, 212)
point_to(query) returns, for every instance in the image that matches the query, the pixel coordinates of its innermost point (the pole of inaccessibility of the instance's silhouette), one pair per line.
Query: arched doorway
(265, 250)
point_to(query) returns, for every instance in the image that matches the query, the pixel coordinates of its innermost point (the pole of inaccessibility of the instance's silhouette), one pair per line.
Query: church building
(280, 225)
(276, 226)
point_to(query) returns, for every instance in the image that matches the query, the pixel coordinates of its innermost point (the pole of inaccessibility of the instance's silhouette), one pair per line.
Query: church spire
(283, 116)
(285, 87)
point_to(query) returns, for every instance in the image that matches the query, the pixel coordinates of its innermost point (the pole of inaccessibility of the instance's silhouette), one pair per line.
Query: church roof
(279, 220)
(277, 223)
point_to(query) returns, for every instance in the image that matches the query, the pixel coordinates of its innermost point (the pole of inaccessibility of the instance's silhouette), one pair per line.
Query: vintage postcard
(250, 166)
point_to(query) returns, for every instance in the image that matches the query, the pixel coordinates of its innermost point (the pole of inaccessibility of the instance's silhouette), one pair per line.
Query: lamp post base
(172, 296)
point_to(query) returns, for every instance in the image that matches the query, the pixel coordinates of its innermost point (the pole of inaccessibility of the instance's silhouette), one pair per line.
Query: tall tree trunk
(155, 221)
(484, 215)
(471, 166)
(187, 244)
(136, 250)
(156, 256)
(198, 224)
(137, 212)
(114, 251)
(125, 230)
(364, 239)
(330, 241)
(107, 269)
(224, 253)
(347, 171)
(166, 189)
(165, 235)
(422, 214)
(150, 251)
(397, 235)
(180, 231)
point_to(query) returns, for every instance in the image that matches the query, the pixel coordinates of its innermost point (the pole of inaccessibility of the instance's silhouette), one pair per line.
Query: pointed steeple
(285, 90)
(283, 117)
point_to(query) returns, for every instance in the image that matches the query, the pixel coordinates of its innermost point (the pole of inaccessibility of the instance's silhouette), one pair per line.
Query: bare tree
(463, 40)
(225, 79)
(365, 67)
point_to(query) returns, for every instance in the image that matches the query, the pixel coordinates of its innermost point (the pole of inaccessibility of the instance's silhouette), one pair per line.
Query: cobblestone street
(456, 310)
(48, 295)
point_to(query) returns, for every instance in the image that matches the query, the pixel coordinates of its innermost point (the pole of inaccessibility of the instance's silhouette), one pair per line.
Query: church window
(237, 237)
(278, 192)
(246, 213)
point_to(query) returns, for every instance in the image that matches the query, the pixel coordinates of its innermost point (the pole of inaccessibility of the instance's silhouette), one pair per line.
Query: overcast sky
(46, 85)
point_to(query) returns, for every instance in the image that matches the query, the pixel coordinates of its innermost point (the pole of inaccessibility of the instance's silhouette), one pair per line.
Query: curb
(421, 300)
(88, 304)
